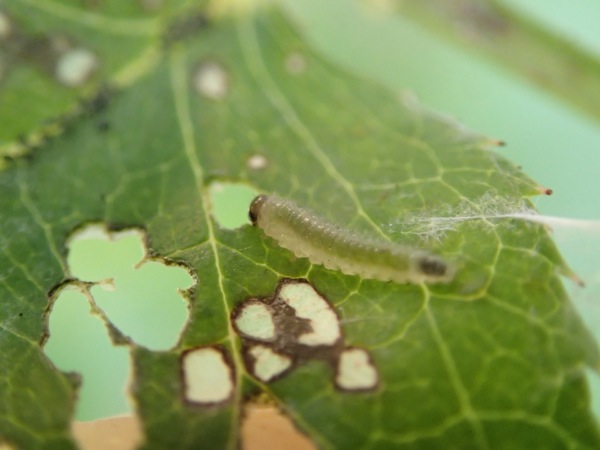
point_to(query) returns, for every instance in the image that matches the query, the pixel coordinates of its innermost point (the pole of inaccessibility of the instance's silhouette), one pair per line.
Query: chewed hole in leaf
(136, 298)
(144, 304)
(230, 203)
(116, 433)
(79, 342)
(262, 422)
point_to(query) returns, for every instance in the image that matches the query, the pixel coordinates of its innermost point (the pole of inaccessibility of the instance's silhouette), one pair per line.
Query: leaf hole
(230, 202)
(262, 422)
(118, 296)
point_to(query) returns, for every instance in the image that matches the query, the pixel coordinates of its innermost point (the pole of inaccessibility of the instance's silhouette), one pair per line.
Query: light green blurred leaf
(516, 42)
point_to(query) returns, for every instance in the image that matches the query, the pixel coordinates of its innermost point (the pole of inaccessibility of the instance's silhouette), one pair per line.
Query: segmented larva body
(310, 236)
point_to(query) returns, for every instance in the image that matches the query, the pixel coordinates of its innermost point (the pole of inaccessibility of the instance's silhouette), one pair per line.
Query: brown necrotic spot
(306, 328)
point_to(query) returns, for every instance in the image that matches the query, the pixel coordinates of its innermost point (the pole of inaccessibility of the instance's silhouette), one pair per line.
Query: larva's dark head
(255, 208)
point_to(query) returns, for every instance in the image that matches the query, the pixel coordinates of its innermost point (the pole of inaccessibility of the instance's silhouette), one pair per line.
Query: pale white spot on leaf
(207, 377)
(355, 371)
(268, 363)
(255, 321)
(257, 162)
(310, 305)
(211, 80)
(76, 66)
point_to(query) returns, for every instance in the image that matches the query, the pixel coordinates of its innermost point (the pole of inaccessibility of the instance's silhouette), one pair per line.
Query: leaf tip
(568, 272)
(578, 281)
(544, 190)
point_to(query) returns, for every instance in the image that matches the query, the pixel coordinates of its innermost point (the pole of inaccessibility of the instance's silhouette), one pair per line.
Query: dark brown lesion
(289, 327)
(433, 266)
(255, 207)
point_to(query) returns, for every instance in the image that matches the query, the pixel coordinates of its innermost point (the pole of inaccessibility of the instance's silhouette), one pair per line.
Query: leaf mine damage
(207, 375)
(294, 326)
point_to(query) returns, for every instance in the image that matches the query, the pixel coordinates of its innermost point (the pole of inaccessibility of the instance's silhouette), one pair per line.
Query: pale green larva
(310, 236)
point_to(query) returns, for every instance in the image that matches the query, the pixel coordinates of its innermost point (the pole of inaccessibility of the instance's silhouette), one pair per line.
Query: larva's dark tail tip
(255, 207)
(544, 190)
(433, 267)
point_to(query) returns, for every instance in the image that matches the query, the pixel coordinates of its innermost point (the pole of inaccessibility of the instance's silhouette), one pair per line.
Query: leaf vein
(252, 53)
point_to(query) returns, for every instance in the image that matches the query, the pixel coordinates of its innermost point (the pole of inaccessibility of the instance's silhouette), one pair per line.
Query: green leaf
(494, 359)
(39, 39)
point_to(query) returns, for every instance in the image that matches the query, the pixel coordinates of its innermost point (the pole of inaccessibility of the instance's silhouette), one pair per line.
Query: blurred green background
(556, 145)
